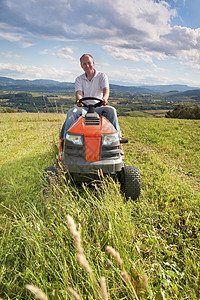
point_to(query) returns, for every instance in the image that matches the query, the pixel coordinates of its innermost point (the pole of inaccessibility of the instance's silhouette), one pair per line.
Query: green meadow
(155, 240)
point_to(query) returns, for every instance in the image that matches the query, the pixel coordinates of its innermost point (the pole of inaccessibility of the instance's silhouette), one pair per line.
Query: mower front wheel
(130, 180)
(51, 174)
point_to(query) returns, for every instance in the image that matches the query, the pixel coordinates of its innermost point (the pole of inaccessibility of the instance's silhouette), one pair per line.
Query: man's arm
(79, 95)
(106, 93)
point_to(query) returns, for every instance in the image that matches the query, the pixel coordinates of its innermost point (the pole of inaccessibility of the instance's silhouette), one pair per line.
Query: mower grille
(110, 152)
(73, 152)
(92, 119)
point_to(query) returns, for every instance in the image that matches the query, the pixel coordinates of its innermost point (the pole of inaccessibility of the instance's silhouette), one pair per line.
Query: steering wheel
(99, 103)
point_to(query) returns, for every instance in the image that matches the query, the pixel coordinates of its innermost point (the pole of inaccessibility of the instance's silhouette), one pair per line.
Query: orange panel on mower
(92, 135)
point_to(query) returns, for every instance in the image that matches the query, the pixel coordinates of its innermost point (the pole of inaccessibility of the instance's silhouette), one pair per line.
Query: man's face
(87, 64)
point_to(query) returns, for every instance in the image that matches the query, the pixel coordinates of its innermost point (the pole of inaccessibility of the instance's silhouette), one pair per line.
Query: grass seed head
(83, 262)
(72, 226)
(74, 293)
(76, 234)
(77, 243)
(126, 276)
(104, 294)
(115, 254)
(145, 282)
(37, 292)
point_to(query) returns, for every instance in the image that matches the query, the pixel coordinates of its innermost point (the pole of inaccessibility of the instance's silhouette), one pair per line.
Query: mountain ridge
(47, 85)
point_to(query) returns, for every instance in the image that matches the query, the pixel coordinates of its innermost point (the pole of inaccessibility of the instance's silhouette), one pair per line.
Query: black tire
(51, 174)
(130, 180)
(62, 131)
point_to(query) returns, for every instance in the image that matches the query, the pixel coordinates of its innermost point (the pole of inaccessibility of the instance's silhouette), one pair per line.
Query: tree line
(181, 112)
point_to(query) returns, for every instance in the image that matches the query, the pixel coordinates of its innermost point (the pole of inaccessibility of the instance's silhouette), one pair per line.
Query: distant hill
(169, 88)
(50, 96)
(192, 94)
(133, 89)
(38, 85)
(148, 89)
(52, 86)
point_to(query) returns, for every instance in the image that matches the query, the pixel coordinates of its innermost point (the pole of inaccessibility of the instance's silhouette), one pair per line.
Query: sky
(135, 42)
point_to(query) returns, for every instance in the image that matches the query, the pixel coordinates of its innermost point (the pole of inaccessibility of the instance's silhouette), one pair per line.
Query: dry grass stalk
(74, 293)
(145, 282)
(104, 294)
(76, 234)
(80, 252)
(84, 263)
(124, 274)
(162, 294)
(115, 254)
(37, 292)
(126, 277)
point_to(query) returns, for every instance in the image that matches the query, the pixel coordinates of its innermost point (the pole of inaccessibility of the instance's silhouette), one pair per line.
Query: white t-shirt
(93, 87)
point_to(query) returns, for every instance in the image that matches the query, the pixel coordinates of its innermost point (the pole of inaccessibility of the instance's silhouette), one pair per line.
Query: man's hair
(86, 54)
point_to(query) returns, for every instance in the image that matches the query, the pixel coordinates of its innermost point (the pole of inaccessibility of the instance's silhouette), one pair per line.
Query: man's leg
(73, 114)
(111, 114)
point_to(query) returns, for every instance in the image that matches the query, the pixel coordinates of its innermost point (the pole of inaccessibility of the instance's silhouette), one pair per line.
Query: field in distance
(127, 103)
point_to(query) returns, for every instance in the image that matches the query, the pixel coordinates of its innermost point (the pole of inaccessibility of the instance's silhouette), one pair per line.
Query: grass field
(157, 236)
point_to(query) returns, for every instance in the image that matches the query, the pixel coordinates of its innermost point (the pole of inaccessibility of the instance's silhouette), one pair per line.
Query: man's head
(87, 63)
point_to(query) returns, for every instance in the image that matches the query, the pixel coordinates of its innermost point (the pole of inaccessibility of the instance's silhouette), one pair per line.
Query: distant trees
(181, 112)
(8, 110)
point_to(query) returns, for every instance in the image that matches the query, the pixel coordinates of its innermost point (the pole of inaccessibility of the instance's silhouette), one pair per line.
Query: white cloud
(9, 37)
(149, 77)
(190, 58)
(22, 71)
(59, 53)
(66, 50)
(133, 30)
(128, 54)
(9, 55)
(138, 77)
(7, 33)
(88, 19)
(101, 64)
(182, 43)
(157, 69)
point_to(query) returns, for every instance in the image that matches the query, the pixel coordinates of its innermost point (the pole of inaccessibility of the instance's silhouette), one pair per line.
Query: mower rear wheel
(130, 180)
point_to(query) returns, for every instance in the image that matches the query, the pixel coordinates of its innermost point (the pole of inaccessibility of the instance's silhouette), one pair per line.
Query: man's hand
(79, 104)
(105, 102)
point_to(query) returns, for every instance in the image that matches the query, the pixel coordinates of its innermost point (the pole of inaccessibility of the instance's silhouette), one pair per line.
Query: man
(91, 84)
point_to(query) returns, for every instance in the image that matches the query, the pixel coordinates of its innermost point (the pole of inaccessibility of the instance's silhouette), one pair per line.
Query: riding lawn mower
(92, 146)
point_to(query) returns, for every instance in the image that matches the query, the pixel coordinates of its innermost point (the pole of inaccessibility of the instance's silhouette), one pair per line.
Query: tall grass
(156, 237)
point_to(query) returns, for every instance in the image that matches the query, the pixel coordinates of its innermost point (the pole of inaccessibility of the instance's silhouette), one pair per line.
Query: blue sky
(135, 42)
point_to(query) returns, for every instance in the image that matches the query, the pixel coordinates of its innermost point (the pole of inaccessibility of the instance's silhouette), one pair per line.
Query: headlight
(108, 139)
(75, 138)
